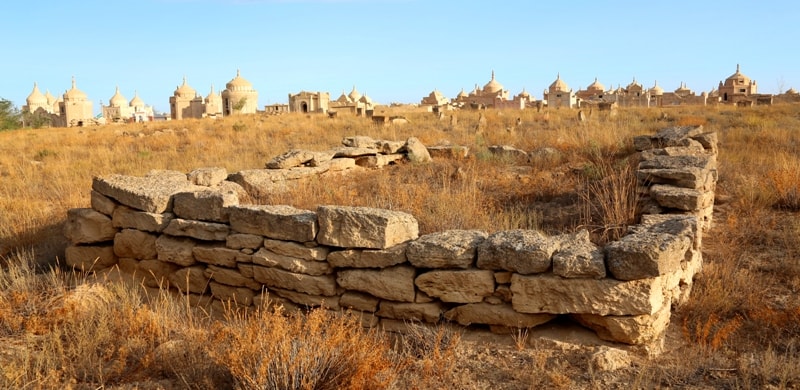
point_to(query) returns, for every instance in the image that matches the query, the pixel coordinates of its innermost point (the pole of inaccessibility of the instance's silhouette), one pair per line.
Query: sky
(391, 50)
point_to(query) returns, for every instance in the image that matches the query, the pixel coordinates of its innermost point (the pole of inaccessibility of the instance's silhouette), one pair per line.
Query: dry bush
(610, 198)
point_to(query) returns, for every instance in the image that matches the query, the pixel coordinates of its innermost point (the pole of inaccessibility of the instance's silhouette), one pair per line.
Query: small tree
(36, 119)
(240, 105)
(9, 115)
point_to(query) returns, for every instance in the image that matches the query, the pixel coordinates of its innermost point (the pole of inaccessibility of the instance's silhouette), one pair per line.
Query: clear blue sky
(392, 50)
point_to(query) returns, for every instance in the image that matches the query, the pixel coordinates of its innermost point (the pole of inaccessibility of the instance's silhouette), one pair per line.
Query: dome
(596, 86)
(559, 85)
(75, 93)
(136, 101)
(343, 98)
(462, 94)
(791, 91)
(524, 94)
(657, 90)
(739, 76)
(36, 97)
(212, 95)
(354, 94)
(185, 90)
(118, 100)
(51, 100)
(683, 89)
(239, 83)
(634, 84)
(492, 86)
(365, 99)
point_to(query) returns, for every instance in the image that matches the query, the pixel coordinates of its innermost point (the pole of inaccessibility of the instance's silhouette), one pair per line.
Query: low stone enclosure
(190, 232)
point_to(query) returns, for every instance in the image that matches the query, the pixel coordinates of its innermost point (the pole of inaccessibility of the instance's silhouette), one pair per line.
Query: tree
(240, 105)
(9, 115)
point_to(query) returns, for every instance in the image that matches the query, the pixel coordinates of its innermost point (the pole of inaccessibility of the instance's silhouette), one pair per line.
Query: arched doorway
(304, 107)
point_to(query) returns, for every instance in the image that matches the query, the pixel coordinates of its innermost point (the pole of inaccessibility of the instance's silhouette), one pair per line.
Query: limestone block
(87, 226)
(231, 277)
(306, 300)
(508, 152)
(353, 152)
(175, 250)
(276, 222)
(578, 257)
(127, 265)
(360, 141)
(102, 203)
(610, 359)
(421, 297)
(368, 258)
(503, 292)
(190, 279)
(689, 177)
(155, 273)
(459, 286)
(128, 218)
(207, 177)
(502, 277)
(521, 251)
(393, 283)
(240, 295)
(152, 193)
(244, 241)
(708, 140)
(313, 285)
(503, 314)
(553, 294)
(135, 244)
(701, 162)
(672, 136)
(206, 231)
(415, 151)
(260, 182)
(390, 147)
(449, 151)
(340, 164)
(216, 255)
(245, 269)
(90, 258)
(321, 158)
(379, 160)
(681, 198)
(364, 227)
(290, 159)
(268, 258)
(296, 250)
(425, 312)
(207, 205)
(447, 249)
(360, 302)
(640, 329)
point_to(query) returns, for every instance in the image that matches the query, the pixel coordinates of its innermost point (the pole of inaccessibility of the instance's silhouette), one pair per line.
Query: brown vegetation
(739, 330)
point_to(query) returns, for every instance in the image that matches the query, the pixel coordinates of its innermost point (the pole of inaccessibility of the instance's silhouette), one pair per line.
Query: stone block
(152, 193)
(190, 279)
(447, 249)
(128, 218)
(207, 205)
(297, 250)
(244, 241)
(102, 203)
(207, 177)
(306, 300)
(637, 330)
(521, 251)
(459, 286)
(268, 258)
(578, 257)
(363, 227)
(135, 244)
(205, 231)
(290, 159)
(368, 258)
(87, 226)
(231, 277)
(415, 151)
(393, 283)
(216, 255)
(176, 250)
(240, 295)
(425, 312)
(90, 258)
(360, 302)
(276, 222)
(503, 315)
(681, 198)
(312, 285)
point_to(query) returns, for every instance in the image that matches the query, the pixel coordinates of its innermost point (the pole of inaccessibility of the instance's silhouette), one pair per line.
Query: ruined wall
(190, 232)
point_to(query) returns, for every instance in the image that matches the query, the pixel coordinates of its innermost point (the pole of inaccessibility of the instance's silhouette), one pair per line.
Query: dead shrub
(610, 200)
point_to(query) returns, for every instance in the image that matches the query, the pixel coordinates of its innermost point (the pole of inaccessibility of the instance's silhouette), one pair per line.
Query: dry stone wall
(194, 233)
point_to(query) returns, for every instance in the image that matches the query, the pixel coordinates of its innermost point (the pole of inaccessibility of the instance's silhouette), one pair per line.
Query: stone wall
(192, 233)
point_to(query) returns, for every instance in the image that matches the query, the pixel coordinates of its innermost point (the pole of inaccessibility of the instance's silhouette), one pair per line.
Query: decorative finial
(492, 74)
(238, 73)
(73, 82)
(737, 68)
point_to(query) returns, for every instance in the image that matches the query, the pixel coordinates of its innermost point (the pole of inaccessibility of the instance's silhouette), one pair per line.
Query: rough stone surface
(290, 159)
(155, 273)
(128, 218)
(393, 283)
(556, 295)
(415, 151)
(175, 250)
(521, 251)
(151, 193)
(216, 255)
(244, 241)
(207, 205)
(448, 249)
(427, 312)
(207, 177)
(312, 285)
(379, 160)
(449, 151)
(641, 329)
(508, 152)
(646, 254)
(206, 231)
(260, 183)
(503, 314)
(306, 300)
(360, 141)
(681, 198)
(190, 279)
(87, 226)
(276, 222)
(353, 152)
(368, 258)
(363, 227)
(309, 267)
(359, 302)
(240, 295)
(462, 286)
(135, 244)
(578, 257)
(90, 258)
(102, 203)
(300, 251)
(610, 359)
(231, 277)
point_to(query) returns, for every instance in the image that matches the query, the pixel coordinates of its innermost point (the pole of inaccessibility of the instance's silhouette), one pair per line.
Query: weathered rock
(447, 249)
(244, 241)
(708, 140)
(426, 312)
(681, 198)
(260, 182)
(359, 302)
(521, 251)
(277, 222)
(216, 255)
(87, 226)
(241, 296)
(503, 277)
(353, 152)
(641, 329)
(363, 227)
(578, 257)
(461, 286)
(656, 251)
(390, 147)
(508, 152)
(190, 279)
(175, 250)
(128, 218)
(293, 249)
(207, 205)
(135, 244)
(672, 136)
(90, 258)
(368, 258)
(378, 160)
(306, 300)
(308, 267)
(206, 231)
(321, 158)
(503, 314)
(312, 285)
(610, 359)
(290, 159)
(393, 283)
(689, 177)
(415, 151)
(231, 277)
(552, 294)
(155, 273)
(207, 177)
(339, 164)
(360, 141)
(456, 152)
(152, 193)
(102, 203)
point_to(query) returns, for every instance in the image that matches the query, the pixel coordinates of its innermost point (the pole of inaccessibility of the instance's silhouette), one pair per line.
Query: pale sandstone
(461, 286)
(393, 283)
(363, 227)
(447, 249)
(87, 226)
